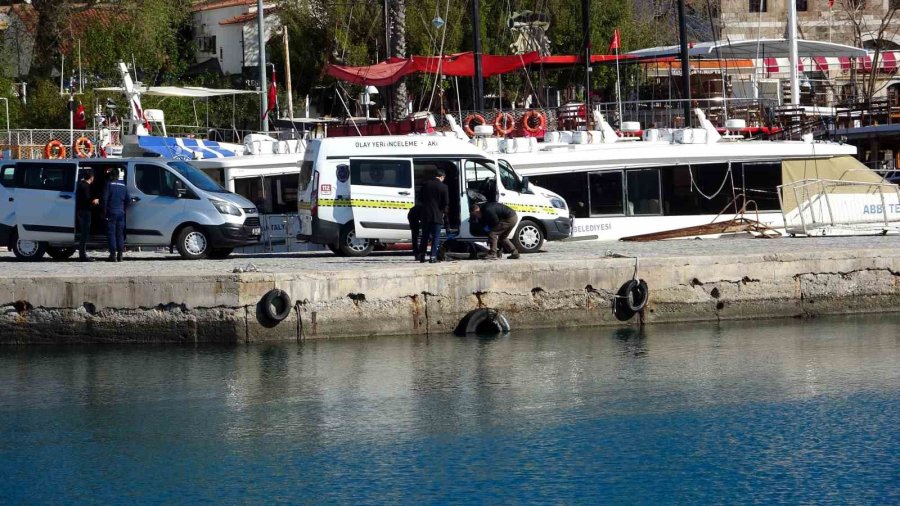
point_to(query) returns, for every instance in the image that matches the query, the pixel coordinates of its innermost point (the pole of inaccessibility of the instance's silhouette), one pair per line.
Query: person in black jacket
(115, 198)
(415, 226)
(435, 198)
(498, 220)
(83, 204)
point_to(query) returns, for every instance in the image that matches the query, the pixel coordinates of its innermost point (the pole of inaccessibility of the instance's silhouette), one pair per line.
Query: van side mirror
(180, 190)
(525, 184)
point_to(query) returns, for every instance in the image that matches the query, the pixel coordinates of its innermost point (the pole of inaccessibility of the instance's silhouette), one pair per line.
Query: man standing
(115, 198)
(498, 220)
(415, 226)
(83, 204)
(435, 198)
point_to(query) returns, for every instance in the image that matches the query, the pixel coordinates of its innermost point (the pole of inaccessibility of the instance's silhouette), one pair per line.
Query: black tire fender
(275, 305)
(482, 321)
(636, 294)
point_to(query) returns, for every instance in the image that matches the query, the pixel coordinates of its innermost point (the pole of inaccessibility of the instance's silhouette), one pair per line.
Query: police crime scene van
(355, 192)
(172, 204)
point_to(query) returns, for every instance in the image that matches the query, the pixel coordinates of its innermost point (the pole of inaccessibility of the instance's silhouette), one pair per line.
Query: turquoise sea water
(746, 412)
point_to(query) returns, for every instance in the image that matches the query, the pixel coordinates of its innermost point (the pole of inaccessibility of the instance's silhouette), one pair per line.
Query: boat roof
(753, 48)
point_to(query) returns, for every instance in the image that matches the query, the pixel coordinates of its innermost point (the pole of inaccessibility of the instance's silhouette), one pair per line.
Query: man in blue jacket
(115, 198)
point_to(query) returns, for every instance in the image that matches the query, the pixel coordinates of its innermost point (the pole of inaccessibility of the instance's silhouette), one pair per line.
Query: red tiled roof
(209, 5)
(98, 17)
(250, 16)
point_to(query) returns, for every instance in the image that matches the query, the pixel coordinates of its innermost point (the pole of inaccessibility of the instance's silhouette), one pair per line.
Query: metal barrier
(29, 144)
(823, 206)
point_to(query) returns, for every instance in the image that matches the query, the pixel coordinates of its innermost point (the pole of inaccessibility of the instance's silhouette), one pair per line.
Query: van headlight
(558, 203)
(226, 207)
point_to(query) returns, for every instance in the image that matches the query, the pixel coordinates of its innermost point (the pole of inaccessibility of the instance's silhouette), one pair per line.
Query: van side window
(154, 180)
(390, 173)
(8, 176)
(481, 178)
(306, 170)
(56, 177)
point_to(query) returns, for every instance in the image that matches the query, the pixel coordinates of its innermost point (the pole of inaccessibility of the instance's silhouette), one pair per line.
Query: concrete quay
(153, 297)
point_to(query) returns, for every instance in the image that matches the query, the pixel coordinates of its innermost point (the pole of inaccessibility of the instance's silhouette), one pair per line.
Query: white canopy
(754, 48)
(181, 91)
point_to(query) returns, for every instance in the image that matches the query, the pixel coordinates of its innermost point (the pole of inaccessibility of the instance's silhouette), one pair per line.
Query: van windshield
(197, 177)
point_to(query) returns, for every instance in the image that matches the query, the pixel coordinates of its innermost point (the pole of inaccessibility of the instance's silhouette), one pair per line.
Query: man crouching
(498, 220)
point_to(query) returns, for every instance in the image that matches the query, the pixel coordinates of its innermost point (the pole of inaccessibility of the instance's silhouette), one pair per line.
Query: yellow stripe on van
(375, 204)
(523, 208)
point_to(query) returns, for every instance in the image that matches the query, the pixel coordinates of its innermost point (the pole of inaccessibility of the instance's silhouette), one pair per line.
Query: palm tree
(397, 14)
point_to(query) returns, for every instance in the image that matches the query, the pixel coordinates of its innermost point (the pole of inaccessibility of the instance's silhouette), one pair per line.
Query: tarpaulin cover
(182, 148)
(839, 168)
(458, 65)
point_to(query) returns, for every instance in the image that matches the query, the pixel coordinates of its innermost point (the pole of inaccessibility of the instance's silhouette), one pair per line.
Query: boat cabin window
(572, 187)
(482, 178)
(508, 177)
(760, 184)
(607, 193)
(389, 173)
(643, 192)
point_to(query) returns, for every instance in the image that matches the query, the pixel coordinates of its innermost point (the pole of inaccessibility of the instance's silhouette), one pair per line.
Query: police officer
(115, 198)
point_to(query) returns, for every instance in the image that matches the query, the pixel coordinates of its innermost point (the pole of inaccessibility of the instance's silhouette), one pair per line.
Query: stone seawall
(411, 298)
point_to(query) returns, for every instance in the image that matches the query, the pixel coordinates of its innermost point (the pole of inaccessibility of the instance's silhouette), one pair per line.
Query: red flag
(273, 96)
(830, 3)
(79, 122)
(615, 41)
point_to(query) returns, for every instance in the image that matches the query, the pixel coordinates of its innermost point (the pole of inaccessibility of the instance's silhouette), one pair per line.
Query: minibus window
(509, 178)
(197, 177)
(306, 170)
(8, 178)
(390, 173)
(56, 177)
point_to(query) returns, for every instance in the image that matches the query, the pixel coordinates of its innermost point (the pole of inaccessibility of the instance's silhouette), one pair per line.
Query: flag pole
(618, 86)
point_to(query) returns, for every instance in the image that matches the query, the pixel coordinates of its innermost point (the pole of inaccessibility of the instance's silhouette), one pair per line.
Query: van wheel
(528, 237)
(60, 253)
(27, 250)
(352, 246)
(192, 243)
(220, 253)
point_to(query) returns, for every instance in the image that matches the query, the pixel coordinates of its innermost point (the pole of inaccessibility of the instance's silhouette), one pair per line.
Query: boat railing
(31, 143)
(817, 206)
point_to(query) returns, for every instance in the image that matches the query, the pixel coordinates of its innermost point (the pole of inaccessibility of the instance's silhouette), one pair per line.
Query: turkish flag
(79, 122)
(273, 96)
(615, 41)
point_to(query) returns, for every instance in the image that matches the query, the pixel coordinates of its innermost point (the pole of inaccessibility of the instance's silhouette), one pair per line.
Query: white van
(173, 204)
(355, 192)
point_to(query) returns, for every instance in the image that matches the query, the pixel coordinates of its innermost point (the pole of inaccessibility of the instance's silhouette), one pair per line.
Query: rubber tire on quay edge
(529, 225)
(14, 246)
(479, 318)
(276, 305)
(637, 294)
(344, 242)
(60, 253)
(182, 250)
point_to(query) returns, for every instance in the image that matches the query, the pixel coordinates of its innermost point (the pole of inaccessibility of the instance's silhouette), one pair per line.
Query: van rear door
(45, 201)
(381, 195)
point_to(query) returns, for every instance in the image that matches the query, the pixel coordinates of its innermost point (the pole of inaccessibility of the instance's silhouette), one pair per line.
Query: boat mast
(685, 64)
(792, 43)
(479, 81)
(586, 31)
(263, 91)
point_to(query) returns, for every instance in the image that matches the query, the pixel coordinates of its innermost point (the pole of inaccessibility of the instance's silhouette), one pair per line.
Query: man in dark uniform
(415, 226)
(83, 204)
(435, 198)
(115, 198)
(498, 220)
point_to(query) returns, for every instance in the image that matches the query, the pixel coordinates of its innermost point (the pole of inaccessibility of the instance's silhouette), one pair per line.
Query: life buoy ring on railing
(54, 150)
(534, 122)
(468, 127)
(84, 148)
(504, 123)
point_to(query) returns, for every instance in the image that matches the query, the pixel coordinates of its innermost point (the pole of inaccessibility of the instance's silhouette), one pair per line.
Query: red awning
(458, 65)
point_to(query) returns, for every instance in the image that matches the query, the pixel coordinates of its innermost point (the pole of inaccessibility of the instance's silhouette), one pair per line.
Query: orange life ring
(54, 150)
(84, 148)
(504, 123)
(534, 122)
(468, 127)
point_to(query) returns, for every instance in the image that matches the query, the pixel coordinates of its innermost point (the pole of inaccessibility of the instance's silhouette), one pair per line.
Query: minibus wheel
(529, 237)
(26, 250)
(352, 246)
(192, 243)
(60, 253)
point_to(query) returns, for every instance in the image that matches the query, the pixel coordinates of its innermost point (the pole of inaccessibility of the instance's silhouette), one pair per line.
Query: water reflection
(732, 408)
